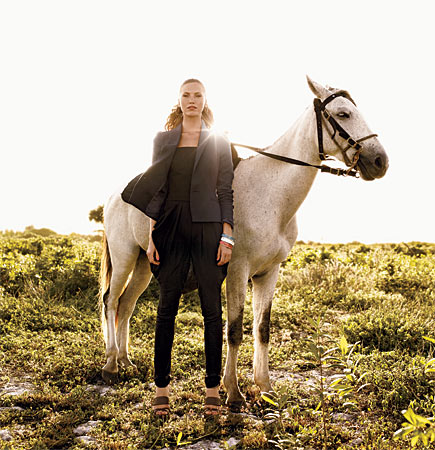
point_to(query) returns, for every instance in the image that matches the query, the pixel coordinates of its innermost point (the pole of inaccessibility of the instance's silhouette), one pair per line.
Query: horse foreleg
(138, 283)
(263, 288)
(236, 291)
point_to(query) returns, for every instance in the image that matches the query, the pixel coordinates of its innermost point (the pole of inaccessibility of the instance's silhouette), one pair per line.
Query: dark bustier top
(180, 174)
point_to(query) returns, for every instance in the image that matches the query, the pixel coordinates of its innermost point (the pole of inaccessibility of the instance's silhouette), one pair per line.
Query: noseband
(322, 115)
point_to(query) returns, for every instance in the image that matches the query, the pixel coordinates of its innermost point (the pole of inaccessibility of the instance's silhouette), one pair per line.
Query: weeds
(347, 383)
(367, 359)
(418, 428)
(317, 344)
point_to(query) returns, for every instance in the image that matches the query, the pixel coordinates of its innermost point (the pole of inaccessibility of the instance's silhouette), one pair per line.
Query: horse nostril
(378, 162)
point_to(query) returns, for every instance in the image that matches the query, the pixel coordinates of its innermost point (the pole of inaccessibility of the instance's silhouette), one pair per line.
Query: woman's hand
(152, 253)
(223, 255)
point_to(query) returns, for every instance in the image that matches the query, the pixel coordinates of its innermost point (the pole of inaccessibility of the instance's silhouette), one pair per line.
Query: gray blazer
(211, 193)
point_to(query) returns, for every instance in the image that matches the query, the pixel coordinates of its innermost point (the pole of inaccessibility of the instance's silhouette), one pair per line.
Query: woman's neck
(191, 124)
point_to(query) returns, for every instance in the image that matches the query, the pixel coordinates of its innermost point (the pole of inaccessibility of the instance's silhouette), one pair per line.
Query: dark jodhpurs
(180, 241)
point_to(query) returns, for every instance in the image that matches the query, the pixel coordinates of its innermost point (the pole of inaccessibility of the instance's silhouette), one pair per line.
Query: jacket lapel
(172, 142)
(202, 144)
(174, 139)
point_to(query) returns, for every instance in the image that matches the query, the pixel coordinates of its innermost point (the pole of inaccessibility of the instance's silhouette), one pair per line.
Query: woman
(188, 196)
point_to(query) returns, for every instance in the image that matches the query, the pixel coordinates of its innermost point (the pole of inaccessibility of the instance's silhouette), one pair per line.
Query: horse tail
(105, 277)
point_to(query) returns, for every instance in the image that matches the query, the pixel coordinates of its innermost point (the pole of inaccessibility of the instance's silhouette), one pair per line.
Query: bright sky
(86, 84)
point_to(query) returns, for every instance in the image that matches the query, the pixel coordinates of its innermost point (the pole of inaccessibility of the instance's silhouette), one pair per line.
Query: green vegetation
(97, 214)
(351, 355)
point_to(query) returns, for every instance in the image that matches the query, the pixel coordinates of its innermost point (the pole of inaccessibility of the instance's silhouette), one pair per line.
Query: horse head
(350, 139)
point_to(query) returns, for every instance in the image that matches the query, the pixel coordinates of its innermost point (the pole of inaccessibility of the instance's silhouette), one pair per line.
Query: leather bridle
(322, 115)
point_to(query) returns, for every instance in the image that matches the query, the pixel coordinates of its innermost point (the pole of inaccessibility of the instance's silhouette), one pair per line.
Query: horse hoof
(236, 406)
(127, 364)
(132, 367)
(109, 377)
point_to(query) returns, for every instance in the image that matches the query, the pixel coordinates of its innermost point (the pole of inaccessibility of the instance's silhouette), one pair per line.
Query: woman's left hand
(223, 255)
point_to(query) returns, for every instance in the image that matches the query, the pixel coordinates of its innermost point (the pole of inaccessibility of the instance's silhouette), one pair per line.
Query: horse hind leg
(263, 289)
(138, 283)
(120, 273)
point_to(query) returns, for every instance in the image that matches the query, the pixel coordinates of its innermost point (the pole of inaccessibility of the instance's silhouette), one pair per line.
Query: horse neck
(290, 184)
(299, 141)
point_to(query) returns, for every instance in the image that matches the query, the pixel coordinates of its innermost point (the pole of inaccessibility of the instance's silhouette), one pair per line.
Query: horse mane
(343, 92)
(234, 156)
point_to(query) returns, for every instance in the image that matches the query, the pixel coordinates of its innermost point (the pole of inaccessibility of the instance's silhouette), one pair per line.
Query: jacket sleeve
(145, 191)
(154, 207)
(224, 181)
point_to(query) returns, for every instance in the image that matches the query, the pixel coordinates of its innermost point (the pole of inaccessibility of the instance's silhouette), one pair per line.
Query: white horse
(267, 195)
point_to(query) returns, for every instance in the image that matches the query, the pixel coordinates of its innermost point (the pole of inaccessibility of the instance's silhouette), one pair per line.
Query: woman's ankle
(212, 392)
(162, 392)
(160, 405)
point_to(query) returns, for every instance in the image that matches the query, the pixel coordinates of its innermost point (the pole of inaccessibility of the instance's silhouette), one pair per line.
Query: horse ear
(317, 89)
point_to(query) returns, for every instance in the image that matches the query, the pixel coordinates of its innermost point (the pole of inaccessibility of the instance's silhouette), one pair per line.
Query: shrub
(387, 329)
(410, 276)
(396, 379)
(59, 265)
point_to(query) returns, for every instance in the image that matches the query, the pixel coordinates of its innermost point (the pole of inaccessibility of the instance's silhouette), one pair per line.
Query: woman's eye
(343, 115)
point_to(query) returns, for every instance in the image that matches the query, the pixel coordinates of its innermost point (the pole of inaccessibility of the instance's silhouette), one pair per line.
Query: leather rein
(322, 115)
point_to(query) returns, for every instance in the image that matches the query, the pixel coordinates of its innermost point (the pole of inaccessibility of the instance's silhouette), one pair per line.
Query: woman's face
(192, 99)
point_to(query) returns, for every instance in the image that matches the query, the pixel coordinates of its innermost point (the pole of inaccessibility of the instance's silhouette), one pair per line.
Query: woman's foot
(161, 402)
(212, 404)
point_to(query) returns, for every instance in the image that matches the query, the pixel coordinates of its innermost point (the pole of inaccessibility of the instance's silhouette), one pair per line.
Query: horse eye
(343, 115)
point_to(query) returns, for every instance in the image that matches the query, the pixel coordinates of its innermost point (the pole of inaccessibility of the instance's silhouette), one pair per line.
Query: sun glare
(218, 131)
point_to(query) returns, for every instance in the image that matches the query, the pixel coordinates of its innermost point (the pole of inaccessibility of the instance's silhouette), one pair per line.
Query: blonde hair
(176, 116)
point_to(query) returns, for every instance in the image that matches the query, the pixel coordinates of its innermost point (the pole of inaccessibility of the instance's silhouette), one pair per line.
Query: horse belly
(262, 258)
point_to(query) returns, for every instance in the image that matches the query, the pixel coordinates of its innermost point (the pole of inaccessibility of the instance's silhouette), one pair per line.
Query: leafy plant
(279, 409)
(418, 428)
(346, 384)
(317, 346)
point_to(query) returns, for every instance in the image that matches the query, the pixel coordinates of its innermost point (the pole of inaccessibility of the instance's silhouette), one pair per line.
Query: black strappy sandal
(161, 413)
(212, 412)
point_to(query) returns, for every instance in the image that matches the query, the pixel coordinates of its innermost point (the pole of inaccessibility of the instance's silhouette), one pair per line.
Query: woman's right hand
(152, 253)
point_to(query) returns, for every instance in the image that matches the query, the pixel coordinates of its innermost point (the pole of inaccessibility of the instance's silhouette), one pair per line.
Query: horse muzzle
(372, 162)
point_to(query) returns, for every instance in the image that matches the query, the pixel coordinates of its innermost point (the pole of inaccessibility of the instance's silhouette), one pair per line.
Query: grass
(379, 297)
